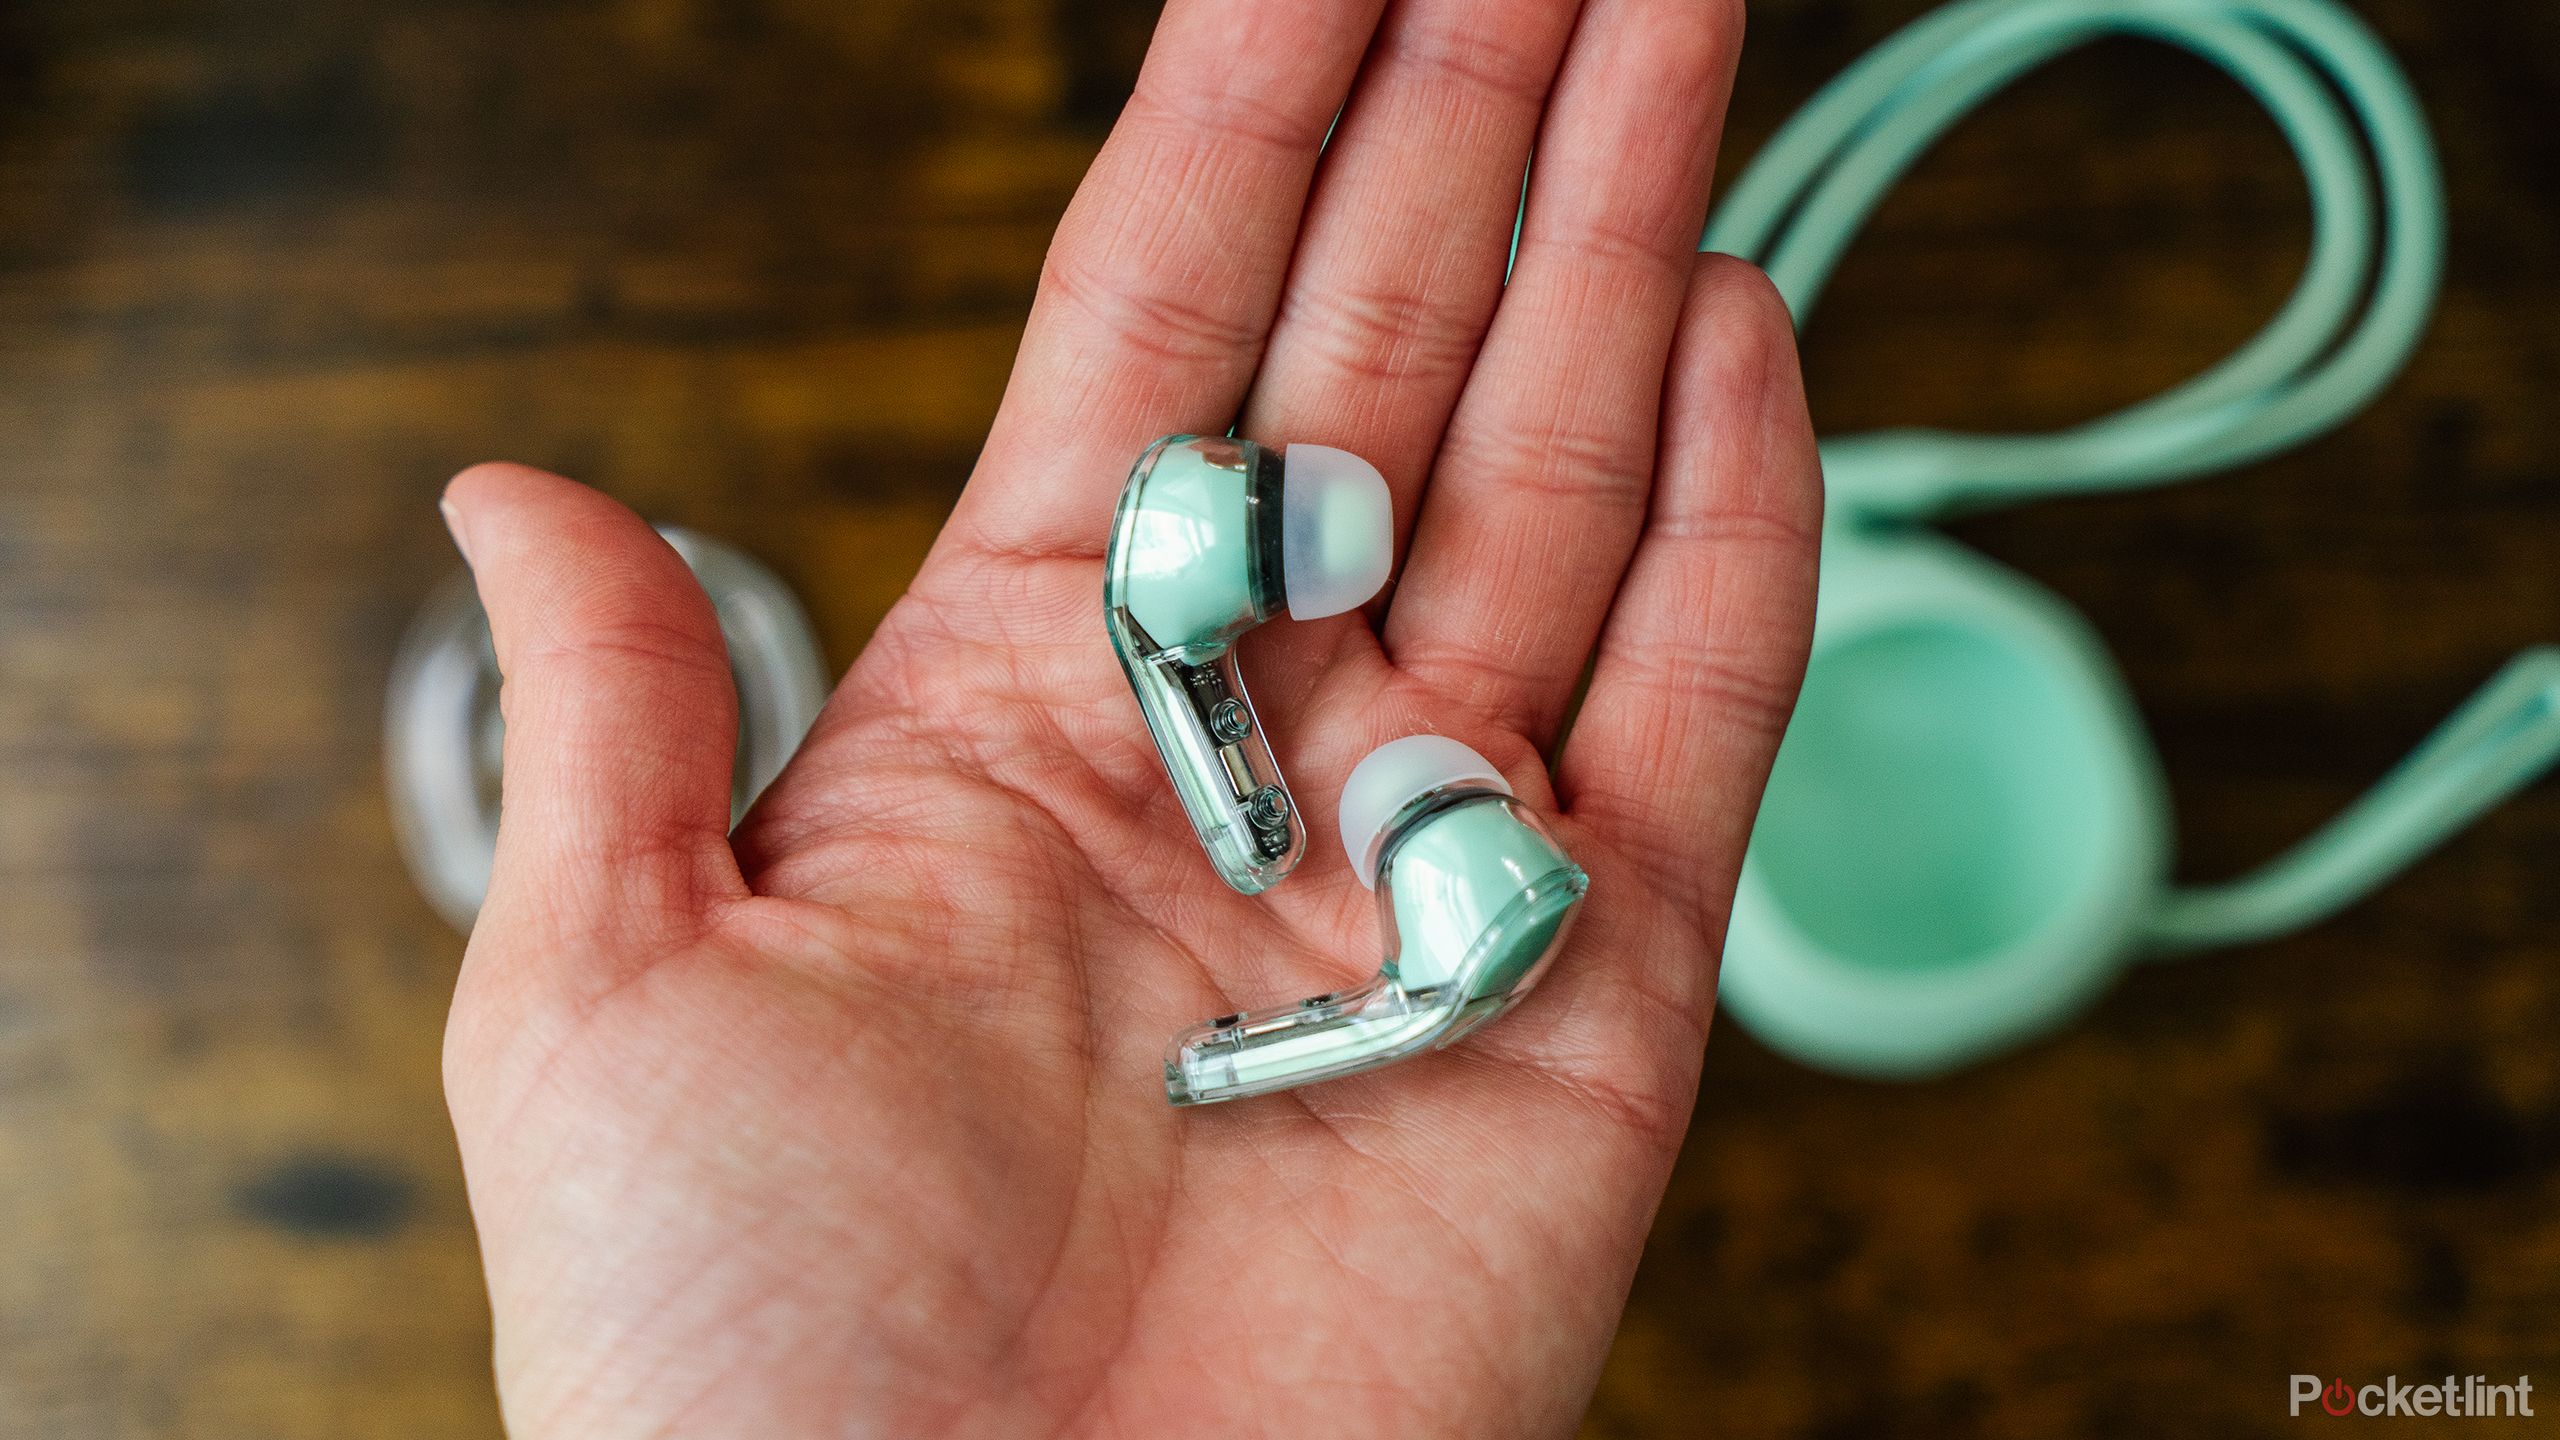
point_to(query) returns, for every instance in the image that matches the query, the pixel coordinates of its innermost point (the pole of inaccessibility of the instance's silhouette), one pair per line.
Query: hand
(852, 1122)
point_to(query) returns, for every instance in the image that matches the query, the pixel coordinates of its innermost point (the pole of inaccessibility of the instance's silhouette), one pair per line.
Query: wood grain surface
(269, 272)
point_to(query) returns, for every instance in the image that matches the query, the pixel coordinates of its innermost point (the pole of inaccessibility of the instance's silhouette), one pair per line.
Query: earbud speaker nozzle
(1337, 531)
(1393, 776)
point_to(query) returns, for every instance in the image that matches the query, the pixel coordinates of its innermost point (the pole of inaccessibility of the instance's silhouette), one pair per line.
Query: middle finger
(1400, 259)
(1541, 486)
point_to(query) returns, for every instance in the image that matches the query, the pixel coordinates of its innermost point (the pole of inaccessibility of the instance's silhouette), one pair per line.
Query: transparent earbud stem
(1194, 562)
(1439, 985)
(1316, 1039)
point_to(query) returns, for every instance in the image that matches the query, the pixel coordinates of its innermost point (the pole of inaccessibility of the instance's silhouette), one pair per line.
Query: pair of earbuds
(1214, 536)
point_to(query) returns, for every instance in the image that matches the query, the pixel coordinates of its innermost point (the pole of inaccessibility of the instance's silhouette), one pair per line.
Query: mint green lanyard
(2349, 326)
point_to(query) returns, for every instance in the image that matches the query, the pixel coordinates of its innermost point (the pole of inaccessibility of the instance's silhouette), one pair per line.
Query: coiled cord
(2350, 324)
(2376, 264)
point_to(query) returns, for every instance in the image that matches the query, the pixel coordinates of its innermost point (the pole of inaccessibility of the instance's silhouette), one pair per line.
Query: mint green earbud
(1214, 536)
(1475, 898)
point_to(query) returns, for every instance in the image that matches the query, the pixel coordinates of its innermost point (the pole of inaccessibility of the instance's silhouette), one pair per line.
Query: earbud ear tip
(1390, 778)
(1337, 531)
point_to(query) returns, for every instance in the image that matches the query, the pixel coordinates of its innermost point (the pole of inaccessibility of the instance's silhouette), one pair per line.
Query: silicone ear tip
(1337, 531)
(1390, 778)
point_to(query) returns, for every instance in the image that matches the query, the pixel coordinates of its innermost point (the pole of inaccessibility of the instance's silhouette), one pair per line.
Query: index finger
(1165, 273)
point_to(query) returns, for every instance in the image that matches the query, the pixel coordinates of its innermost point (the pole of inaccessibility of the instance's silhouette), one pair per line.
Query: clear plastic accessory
(443, 736)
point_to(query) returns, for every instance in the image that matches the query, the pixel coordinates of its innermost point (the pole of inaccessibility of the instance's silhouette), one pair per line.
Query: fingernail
(453, 526)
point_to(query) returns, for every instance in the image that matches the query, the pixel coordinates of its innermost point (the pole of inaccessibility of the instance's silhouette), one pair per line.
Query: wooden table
(269, 273)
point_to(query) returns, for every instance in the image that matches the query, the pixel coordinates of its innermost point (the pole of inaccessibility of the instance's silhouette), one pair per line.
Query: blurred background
(269, 272)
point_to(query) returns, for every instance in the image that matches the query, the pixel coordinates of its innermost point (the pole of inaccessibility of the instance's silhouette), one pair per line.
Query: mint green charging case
(1964, 827)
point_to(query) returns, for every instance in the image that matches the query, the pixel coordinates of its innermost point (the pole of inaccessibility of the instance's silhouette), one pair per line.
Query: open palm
(853, 1122)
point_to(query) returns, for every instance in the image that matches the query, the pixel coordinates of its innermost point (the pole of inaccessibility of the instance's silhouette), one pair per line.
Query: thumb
(621, 713)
